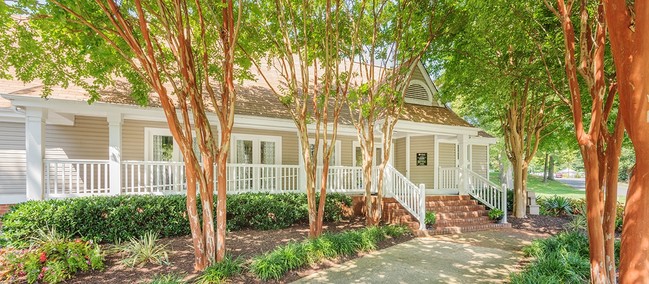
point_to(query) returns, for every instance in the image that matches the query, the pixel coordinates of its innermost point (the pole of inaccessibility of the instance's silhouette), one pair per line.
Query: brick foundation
(4, 208)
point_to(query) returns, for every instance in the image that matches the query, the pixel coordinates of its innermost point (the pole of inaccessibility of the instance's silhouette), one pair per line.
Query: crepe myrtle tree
(629, 41)
(183, 51)
(600, 141)
(302, 41)
(502, 67)
(393, 36)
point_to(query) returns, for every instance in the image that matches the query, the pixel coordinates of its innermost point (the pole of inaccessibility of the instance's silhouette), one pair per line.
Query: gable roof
(254, 98)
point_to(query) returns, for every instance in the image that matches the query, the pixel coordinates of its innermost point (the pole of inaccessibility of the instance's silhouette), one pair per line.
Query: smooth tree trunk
(551, 168)
(629, 28)
(519, 190)
(545, 167)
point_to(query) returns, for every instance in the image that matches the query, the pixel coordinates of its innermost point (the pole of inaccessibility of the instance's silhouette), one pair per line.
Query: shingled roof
(254, 98)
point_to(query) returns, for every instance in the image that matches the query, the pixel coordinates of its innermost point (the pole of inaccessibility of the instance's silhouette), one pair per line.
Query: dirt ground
(539, 223)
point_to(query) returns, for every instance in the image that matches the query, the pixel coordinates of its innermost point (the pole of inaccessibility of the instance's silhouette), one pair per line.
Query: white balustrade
(153, 177)
(341, 179)
(487, 192)
(449, 178)
(263, 178)
(70, 178)
(409, 195)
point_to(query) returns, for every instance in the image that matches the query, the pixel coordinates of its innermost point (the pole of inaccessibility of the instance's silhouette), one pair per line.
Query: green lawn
(552, 187)
(549, 188)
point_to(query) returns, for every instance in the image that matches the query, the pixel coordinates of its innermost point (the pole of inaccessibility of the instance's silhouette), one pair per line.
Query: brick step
(460, 208)
(451, 203)
(459, 215)
(463, 229)
(447, 197)
(463, 221)
(390, 205)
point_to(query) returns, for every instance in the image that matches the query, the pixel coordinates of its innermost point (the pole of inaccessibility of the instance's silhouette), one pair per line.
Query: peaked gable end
(421, 90)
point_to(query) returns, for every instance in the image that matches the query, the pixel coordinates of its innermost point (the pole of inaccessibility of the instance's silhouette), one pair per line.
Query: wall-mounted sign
(422, 159)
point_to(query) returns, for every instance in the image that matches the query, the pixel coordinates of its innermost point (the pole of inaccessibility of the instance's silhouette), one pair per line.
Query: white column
(35, 151)
(302, 171)
(436, 162)
(463, 142)
(408, 155)
(115, 152)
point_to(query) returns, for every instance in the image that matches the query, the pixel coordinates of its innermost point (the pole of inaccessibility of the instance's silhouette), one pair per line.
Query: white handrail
(487, 192)
(410, 196)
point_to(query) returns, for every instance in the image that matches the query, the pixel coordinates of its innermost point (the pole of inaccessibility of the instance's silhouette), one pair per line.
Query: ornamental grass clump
(219, 272)
(144, 250)
(274, 264)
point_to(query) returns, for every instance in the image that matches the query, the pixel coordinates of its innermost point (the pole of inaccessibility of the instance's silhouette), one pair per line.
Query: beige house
(64, 147)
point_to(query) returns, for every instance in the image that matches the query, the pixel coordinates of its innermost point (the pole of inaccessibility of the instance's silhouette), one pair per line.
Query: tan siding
(479, 160)
(86, 139)
(346, 154)
(12, 158)
(133, 138)
(422, 174)
(400, 155)
(447, 155)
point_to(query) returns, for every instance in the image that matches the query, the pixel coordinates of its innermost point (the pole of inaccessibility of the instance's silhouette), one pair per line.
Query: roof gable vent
(419, 93)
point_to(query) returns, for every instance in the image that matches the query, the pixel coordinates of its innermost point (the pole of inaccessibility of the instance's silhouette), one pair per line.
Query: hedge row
(113, 218)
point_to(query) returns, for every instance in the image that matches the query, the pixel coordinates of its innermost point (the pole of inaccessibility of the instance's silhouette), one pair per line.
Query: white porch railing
(487, 192)
(341, 179)
(449, 178)
(70, 178)
(139, 177)
(410, 196)
(263, 178)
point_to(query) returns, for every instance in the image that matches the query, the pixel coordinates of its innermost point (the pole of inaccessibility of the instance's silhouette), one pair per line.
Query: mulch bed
(244, 244)
(540, 223)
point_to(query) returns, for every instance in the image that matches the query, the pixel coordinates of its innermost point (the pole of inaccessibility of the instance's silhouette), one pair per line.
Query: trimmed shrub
(274, 264)
(117, 218)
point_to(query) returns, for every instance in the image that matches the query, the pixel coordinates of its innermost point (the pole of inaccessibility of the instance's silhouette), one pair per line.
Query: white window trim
(428, 102)
(379, 145)
(337, 156)
(148, 143)
(256, 140)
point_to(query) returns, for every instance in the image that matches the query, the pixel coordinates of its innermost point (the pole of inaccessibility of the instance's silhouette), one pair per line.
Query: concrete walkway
(479, 257)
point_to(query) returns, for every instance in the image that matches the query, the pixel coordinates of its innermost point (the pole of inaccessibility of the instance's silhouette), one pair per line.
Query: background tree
(182, 50)
(600, 144)
(499, 65)
(629, 38)
(301, 40)
(392, 38)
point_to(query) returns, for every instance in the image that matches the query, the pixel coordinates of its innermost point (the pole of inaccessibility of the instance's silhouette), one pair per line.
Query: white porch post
(35, 151)
(463, 142)
(436, 162)
(301, 174)
(115, 152)
(408, 155)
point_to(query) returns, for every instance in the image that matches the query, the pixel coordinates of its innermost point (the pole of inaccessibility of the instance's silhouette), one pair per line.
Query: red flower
(43, 257)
